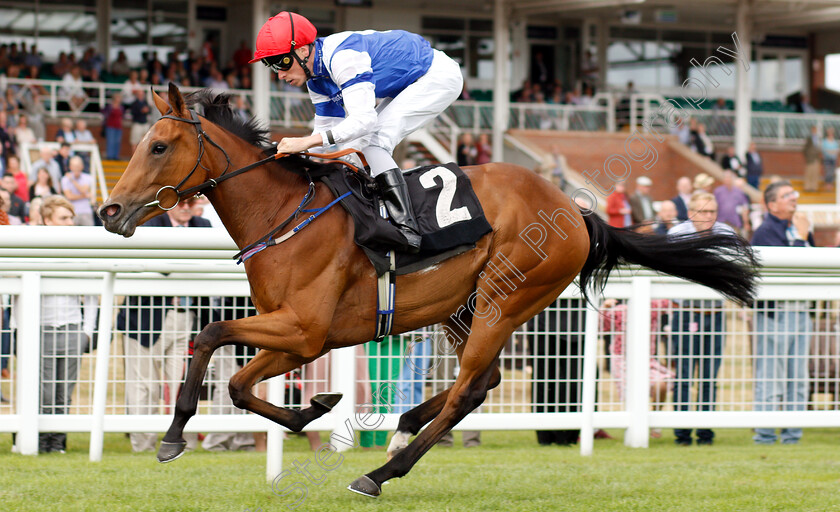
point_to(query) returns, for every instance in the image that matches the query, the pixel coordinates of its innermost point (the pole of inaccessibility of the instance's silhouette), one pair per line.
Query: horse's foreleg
(270, 364)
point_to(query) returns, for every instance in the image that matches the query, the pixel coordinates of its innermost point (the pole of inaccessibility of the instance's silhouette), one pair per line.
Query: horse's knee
(238, 393)
(208, 338)
(495, 379)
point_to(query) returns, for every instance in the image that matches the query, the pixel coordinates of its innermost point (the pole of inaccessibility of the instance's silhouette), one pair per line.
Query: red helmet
(282, 33)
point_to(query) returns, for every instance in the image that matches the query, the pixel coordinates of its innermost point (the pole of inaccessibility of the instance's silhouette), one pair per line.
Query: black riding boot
(395, 193)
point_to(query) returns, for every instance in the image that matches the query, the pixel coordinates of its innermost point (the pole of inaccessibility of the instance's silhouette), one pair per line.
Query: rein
(267, 240)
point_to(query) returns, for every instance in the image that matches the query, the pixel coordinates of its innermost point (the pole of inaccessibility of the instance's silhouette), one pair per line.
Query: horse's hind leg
(477, 373)
(412, 421)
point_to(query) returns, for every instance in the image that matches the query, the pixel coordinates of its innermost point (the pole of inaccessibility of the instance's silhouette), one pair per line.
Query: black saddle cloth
(448, 213)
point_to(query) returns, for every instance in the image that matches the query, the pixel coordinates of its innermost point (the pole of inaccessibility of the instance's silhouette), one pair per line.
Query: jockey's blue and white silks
(355, 69)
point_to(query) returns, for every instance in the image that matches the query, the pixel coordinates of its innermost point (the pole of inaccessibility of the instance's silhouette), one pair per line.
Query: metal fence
(572, 367)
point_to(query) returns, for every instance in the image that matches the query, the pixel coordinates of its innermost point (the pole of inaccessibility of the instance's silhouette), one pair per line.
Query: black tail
(725, 263)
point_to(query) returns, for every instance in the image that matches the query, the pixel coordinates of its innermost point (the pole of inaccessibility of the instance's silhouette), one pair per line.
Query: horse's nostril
(111, 210)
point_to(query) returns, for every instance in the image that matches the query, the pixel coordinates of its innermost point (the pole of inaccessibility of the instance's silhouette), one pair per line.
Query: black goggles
(278, 63)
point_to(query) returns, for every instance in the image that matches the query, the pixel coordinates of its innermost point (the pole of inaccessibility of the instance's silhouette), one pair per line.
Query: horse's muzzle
(116, 220)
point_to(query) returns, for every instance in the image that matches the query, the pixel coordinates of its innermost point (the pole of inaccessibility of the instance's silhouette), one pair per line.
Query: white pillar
(520, 51)
(103, 358)
(274, 438)
(743, 98)
(193, 39)
(260, 106)
(637, 354)
(501, 86)
(590, 372)
(29, 363)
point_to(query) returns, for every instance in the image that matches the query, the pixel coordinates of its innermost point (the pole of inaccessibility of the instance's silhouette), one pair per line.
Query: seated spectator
(33, 58)
(62, 158)
(82, 134)
(78, 188)
(62, 65)
(120, 67)
(12, 206)
(33, 107)
(35, 212)
(23, 133)
(43, 186)
(666, 218)
(91, 65)
(13, 168)
(7, 135)
(4, 221)
(65, 133)
(72, 89)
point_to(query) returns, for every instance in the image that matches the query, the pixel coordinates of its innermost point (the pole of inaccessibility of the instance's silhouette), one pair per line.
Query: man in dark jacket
(755, 167)
(782, 327)
(156, 334)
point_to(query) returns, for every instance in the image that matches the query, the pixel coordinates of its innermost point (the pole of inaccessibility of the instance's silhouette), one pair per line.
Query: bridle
(210, 183)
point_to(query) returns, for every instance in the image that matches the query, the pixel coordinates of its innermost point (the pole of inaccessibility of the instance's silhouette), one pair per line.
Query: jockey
(346, 73)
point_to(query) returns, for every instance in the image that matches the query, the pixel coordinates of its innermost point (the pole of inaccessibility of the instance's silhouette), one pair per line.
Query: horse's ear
(179, 107)
(160, 103)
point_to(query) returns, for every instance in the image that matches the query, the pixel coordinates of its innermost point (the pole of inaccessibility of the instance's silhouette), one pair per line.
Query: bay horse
(317, 291)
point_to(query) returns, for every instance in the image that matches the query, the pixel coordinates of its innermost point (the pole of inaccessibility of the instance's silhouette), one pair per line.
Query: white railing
(42, 261)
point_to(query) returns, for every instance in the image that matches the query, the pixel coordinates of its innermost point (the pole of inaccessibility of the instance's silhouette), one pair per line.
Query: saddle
(449, 215)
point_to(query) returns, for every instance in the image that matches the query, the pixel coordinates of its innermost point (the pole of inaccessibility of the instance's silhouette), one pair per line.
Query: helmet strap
(300, 61)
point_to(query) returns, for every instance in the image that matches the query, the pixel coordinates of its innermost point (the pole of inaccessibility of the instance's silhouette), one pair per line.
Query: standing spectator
(830, 148)
(113, 117)
(732, 162)
(67, 325)
(72, 89)
(7, 135)
(641, 205)
(466, 150)
(411, 382)
(555, 341)
(614, 320)
(484, 150)
(78, 188)
(132, 85)
(156, 332)
(701, 143)
(782, 327)
(17, 208)
(43, 186)
(23, 133)
(48, 163)
(139, 110)
(733, 204)
(755, 167)
(242, 55)
(618, 208)
(33, 107)
(684, 190)
(65, 133)
(697, 330)
(666, 217)
(813, 155)
(444, 373)
(384, 365)
(703, 183)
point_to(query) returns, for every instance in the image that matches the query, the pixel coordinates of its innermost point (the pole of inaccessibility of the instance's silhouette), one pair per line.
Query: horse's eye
(158, 149)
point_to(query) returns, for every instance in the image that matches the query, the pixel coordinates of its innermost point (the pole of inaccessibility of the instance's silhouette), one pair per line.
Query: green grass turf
(508, 472)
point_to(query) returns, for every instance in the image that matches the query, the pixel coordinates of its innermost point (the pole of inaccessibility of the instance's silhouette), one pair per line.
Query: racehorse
(317, 291)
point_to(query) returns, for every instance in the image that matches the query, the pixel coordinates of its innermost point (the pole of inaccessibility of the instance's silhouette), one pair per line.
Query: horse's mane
(216, 108)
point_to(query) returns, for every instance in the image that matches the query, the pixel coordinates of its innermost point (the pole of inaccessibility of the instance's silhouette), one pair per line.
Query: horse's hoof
(365, 486)
(170, 451)
(327, 400)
